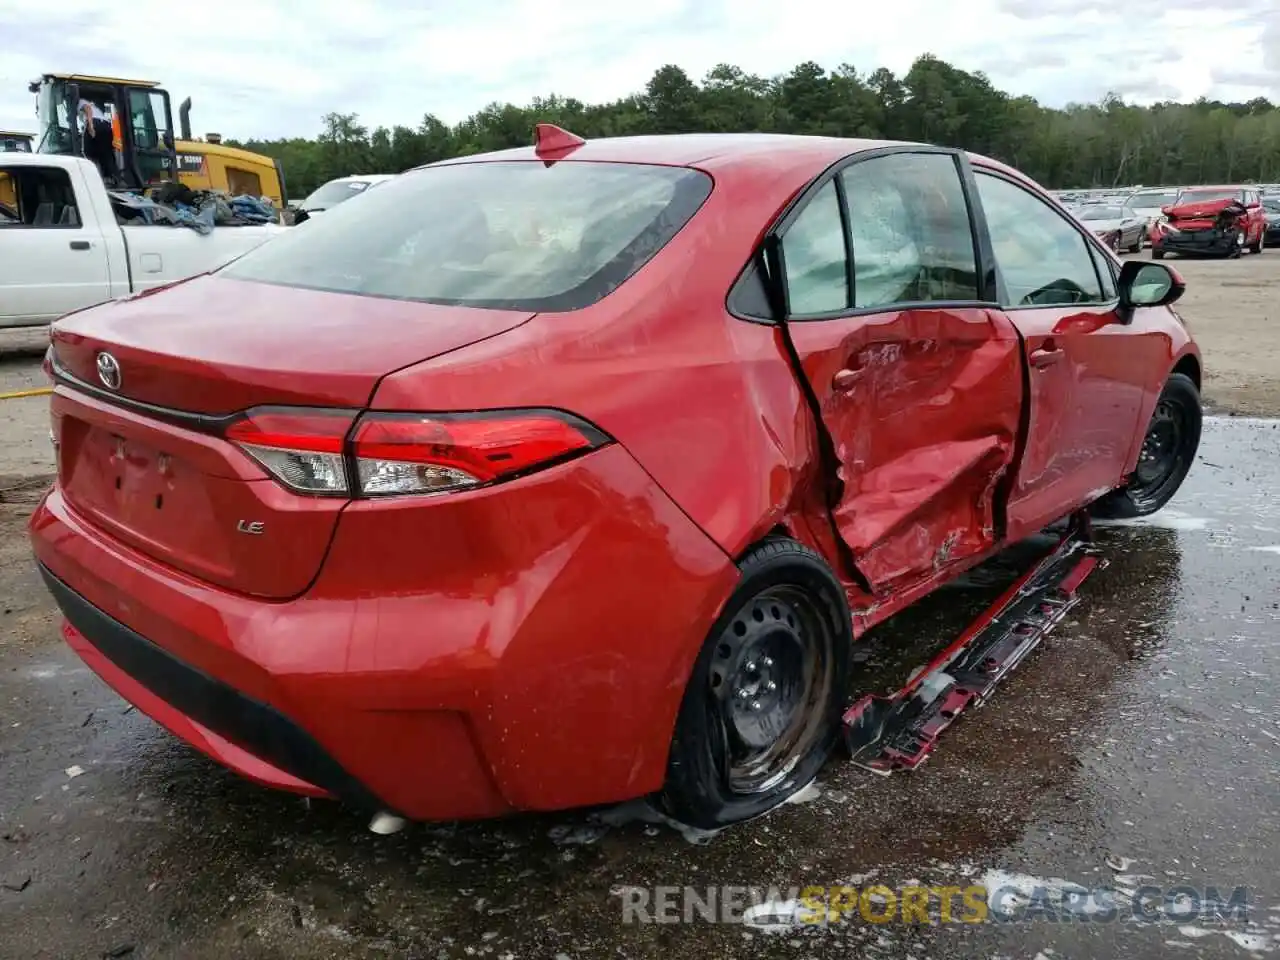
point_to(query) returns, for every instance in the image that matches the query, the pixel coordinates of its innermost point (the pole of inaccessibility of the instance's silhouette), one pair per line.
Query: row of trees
(1111, 143)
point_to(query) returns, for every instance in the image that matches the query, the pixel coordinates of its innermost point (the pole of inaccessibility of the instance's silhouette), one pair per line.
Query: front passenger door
(1085, 374)
(917, 377)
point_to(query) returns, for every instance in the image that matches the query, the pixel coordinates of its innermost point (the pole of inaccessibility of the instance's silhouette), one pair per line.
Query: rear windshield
(332, 194)
(1150, 201)
(515, 235)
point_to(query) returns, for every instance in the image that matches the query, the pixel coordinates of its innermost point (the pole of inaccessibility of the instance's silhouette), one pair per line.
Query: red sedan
(570, 474)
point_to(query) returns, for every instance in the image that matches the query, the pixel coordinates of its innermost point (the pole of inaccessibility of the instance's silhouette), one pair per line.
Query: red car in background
(568, 474)
(1219, 221)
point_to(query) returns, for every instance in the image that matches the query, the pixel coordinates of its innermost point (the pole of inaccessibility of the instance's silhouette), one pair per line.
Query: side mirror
(1148, 284)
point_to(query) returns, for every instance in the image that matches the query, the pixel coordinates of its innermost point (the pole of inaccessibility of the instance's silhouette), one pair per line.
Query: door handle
(1045, 357)
(846, 379)
(79, 244)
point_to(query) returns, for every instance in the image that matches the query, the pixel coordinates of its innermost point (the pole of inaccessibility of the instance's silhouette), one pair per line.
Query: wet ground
(1139, 745)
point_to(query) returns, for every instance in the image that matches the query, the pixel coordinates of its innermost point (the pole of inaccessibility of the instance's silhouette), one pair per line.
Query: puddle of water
(1166, 520)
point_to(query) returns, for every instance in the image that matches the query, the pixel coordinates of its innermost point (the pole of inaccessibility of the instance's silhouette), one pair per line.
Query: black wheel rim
(771, 679)
(1163, 454)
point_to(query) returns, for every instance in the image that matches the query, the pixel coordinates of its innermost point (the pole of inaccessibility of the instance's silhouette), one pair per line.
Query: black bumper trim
(251, 725)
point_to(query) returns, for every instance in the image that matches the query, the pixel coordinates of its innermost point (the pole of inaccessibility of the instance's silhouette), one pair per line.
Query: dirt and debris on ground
(1139, 746)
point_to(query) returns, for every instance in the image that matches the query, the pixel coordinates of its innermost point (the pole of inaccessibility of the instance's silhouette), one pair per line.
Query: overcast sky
(271, 68)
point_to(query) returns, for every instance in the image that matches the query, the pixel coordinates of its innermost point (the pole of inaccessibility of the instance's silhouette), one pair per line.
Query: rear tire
(762, 708)
(1256, 247)
(1168, 450)
(1157, 253)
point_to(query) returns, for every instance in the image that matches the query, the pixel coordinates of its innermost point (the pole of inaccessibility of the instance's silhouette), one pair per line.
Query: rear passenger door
(1086, 367)
(916, 375)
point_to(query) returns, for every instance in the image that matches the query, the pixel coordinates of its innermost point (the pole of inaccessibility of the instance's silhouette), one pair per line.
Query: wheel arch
(1189, 365)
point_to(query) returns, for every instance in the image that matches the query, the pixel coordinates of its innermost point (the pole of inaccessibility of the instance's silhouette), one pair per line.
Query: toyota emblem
(109, 371)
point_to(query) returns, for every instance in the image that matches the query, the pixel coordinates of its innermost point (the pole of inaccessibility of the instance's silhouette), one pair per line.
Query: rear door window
(514, 235)
(813, 250)
(909, 222)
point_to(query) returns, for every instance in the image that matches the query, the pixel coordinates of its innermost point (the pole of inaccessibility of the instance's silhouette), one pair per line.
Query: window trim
(1091, 242)
(15, 177)
(984, 258)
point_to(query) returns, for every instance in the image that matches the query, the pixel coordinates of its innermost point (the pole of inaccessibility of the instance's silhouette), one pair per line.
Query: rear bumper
(520, 648)
(202, 709)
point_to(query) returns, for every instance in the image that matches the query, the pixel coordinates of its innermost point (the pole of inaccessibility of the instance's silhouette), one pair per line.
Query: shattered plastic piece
(386, 824)
(899, 732)
(73, 772)
(1119, 864)
(773, 916)
(566, 835)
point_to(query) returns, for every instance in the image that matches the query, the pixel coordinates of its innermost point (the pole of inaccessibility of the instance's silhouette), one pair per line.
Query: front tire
(1256, 247)
(762, 708)
(1168, 450)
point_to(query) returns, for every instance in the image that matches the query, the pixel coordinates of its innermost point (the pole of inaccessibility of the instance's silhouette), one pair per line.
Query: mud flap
(899, 732)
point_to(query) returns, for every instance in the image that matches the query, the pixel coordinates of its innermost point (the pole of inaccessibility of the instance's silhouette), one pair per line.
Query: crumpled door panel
(923, 408)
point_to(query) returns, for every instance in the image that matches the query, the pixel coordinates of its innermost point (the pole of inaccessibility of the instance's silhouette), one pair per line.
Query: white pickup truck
(63, 248)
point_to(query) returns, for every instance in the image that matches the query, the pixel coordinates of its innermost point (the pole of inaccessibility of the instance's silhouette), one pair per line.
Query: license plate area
(139, 491)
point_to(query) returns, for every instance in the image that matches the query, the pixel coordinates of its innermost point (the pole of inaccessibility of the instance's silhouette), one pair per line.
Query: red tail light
(301, 448)
(389, 454)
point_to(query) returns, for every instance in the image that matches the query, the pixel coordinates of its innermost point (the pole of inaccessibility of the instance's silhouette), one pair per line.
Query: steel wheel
(773, 669)
(761, 709)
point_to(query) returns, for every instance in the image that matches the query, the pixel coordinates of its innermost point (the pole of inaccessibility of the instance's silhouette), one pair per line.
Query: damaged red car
(570, 474)
(1212, 221)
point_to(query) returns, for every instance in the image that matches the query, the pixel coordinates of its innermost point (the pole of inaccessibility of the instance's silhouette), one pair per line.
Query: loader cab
(141, 117)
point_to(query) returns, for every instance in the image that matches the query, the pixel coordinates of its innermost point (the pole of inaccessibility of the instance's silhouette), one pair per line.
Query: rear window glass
(515, 235)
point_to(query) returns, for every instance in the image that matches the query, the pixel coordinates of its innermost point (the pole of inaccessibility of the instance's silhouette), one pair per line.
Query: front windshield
(1207, 196)
(332, 194)
(55, 125)
(1154, 200)
(1101, 213)
(508, 235)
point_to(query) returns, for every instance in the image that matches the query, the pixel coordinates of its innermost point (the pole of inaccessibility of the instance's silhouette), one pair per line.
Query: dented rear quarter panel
(706, 403)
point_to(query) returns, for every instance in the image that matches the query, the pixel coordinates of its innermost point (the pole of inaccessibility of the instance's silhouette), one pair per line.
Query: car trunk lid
(216, 346)
(147, 462)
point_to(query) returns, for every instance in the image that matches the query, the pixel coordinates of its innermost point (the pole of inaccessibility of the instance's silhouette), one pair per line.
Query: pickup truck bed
(61, 247)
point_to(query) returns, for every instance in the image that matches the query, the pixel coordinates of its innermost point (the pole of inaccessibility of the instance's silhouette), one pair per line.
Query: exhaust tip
(386, 824)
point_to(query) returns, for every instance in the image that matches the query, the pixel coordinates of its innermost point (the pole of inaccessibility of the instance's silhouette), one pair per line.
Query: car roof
(715, 152)
(360, 177)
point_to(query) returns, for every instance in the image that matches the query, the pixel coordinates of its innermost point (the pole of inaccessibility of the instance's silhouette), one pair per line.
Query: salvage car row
(1201, 220)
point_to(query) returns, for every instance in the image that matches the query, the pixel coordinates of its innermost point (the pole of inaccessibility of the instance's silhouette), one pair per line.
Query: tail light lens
(303, 449)
(393, 454)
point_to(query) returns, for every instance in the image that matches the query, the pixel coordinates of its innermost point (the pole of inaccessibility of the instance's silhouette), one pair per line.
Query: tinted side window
(910, 228)
(45, 199)
(814, 254)
(1043, 259)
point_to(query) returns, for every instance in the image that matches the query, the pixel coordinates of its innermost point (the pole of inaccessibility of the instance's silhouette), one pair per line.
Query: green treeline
(1096, 145)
